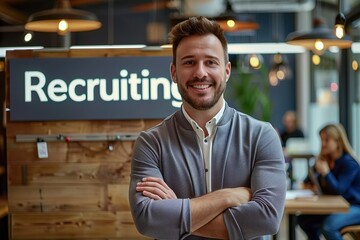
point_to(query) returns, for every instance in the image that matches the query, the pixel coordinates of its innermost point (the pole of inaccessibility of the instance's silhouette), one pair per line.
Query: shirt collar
(217, 117)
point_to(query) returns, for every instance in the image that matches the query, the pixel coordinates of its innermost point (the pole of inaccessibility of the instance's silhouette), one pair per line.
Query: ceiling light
(319, 39)
(315, 59)
(339, 27)
(254, 61)
(28, 35)
(279, 70)
(62, 19)
(355, 65)
(251, 62)
(229, 21)
(235, 23)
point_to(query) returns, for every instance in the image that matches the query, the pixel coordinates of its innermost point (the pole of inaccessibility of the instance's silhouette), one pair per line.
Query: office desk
(316, 205)
(325, 204)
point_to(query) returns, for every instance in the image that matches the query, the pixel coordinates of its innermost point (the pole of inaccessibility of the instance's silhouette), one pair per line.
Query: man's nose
(200, 71)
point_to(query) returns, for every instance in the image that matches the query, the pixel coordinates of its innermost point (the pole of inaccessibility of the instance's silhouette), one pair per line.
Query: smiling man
(207, 171)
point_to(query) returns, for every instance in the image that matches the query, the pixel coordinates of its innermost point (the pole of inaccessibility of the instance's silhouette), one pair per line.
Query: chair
(351, 232)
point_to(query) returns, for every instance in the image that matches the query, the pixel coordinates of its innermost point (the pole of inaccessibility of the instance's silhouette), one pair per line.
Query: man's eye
(211, 62)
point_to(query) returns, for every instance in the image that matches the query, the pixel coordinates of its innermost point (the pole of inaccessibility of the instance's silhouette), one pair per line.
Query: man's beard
(200, 104)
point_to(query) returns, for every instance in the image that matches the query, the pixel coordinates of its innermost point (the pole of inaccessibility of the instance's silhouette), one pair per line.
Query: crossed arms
(206, 210)
(167, 191)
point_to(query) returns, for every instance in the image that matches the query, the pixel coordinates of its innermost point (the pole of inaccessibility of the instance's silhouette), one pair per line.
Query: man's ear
(228, 71)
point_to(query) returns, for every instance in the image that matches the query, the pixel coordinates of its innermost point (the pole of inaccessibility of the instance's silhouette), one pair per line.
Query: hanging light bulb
(251, 62)
(319, 45)
(280, 73)
(316, 59)
(28, 36)
(339, 31)
(254, 61)
(63, 27)
(355, 65)
(230, 23)
(339, 27)
(340, 19)
(280, 70)
(273, 80)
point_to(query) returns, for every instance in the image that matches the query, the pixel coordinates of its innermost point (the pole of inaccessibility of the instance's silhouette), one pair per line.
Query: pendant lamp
(319, 39)
(62, 19)
(340, 19)
(229, 21)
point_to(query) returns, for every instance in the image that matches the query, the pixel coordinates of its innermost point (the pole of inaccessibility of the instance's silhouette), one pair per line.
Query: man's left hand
(155, 188)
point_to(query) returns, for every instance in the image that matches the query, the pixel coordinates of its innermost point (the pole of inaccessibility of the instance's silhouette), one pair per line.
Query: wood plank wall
(81, 190)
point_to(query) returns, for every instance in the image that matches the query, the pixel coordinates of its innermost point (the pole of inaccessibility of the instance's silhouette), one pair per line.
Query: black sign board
(92, 88)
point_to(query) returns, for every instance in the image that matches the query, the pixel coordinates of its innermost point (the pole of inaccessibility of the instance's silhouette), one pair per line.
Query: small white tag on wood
(42, 150)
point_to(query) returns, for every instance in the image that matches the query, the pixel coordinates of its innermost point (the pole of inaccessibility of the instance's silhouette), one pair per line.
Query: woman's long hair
(337, 132)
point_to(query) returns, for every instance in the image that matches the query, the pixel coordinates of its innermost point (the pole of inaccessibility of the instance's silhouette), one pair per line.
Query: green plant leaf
(251, 92)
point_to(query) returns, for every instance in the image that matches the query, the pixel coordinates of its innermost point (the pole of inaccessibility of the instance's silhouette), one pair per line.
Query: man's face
(200, 71)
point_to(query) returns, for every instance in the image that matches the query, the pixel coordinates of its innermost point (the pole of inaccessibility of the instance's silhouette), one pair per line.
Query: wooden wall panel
(76, 225)
(118, 199)
(55, 198)
(80, 191)
(77, 173)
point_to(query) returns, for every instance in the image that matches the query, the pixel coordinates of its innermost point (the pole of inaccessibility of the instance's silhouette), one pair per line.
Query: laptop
(313, 178)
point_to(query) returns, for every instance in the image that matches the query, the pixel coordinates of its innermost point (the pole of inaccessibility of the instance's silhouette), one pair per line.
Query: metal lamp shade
(48, 20)
(320, 32)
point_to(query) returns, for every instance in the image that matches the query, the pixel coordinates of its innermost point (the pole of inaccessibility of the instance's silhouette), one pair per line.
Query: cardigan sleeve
(263, 214)
(150, 216)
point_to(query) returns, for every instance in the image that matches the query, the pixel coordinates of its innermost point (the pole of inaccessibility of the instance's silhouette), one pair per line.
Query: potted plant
(250, 92)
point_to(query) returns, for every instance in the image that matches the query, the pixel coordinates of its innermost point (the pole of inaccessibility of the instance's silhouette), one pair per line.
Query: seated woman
(338, 172)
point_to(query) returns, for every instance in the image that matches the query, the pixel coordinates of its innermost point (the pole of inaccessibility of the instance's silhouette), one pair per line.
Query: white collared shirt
(206, 143)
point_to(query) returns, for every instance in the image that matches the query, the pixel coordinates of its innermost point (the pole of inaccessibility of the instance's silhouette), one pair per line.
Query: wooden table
(325, 204)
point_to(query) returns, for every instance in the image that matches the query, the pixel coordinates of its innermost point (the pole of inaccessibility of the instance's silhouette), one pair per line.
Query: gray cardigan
(246, 152)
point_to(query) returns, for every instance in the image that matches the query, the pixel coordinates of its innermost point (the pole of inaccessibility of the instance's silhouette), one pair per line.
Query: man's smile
(200, 86)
